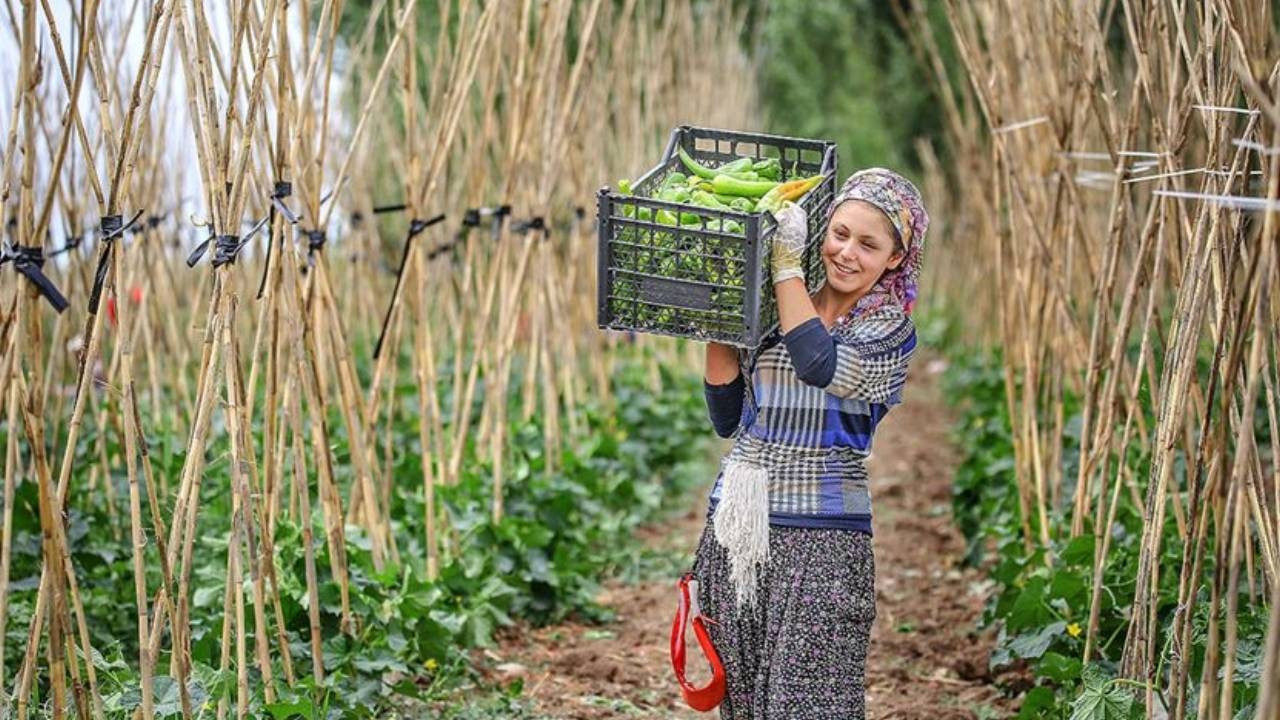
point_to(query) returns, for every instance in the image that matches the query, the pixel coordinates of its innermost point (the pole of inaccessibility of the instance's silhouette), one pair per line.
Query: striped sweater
(805, 407)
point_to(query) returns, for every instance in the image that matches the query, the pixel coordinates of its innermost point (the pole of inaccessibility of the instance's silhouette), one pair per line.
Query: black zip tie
(315, 243)
(73, 242)
(580, 212)
(199, 251)
(357, 217)
(28, 261)
(497, 215)
(113, 227)
(471, 218)
(442, 249)
(282, 190)
(225, 247)
(416, 226)
(534, 223)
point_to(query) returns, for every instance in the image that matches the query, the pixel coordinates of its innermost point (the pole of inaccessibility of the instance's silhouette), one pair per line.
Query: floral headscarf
(900, 201)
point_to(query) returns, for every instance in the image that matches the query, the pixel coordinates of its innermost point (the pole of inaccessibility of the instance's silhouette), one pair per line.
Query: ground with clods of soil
(926, 660)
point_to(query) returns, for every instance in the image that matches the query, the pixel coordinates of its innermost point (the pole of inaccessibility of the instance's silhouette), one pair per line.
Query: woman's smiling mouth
(844, 269)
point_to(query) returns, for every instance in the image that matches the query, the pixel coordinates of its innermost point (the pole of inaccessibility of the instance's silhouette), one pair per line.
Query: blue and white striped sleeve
(866, 361)
(872, 357)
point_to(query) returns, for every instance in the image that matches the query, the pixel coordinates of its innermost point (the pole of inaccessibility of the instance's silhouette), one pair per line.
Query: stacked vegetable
(742, 185)
(694, 284)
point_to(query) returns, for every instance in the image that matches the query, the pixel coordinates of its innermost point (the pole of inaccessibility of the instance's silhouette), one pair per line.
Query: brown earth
(926, 660)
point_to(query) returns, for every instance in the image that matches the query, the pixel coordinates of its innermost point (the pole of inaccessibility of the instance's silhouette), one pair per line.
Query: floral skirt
(801, 651)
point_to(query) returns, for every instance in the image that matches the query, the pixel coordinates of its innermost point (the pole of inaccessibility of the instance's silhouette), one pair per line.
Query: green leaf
(1100, 699)
(1079, 551)
(296, 708)
(1037, 701)
(1059, 668)
(1033, 644)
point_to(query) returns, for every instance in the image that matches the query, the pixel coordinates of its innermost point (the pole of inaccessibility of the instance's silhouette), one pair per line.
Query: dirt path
(925, 661)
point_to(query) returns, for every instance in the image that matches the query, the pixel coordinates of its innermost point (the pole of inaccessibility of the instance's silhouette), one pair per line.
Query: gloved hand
(787, 252)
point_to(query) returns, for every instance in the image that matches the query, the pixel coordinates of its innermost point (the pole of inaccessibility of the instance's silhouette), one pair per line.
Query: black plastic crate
(706, 281)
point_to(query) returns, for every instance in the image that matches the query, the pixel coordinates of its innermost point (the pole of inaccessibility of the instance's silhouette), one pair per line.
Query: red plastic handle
(699, 698)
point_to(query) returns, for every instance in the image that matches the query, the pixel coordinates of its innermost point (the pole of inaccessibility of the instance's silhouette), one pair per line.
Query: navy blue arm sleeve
(724, 404)
(813, 352)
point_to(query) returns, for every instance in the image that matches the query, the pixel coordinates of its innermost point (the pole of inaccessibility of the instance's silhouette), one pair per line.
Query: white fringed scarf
(741, 524)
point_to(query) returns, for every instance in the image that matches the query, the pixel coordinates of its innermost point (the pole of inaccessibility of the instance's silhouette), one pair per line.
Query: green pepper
(694, 167)
(743, 175)
(670, 181)
(674, 195)
(742, 164)
(706, 199)
(769, 169)
(624, 186)
(742, 204)
(728, 185)
(665, 217)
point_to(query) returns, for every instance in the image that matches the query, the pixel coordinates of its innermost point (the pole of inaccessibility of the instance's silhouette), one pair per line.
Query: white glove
(789, 242)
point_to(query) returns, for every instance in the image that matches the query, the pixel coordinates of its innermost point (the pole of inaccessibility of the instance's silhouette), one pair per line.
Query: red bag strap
(699, 698)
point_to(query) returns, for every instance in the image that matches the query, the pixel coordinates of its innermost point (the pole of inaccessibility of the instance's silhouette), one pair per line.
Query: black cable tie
(533, 223)
(225, 248)
(199, 251)
(29, 261)
(357, 217)
(72, 242)
(278, 205)
(112, 226)
(579, 212)
(438, 251)
(153, 221)
(471, 218)
(315, 243)
(315, 239)
(497, 214)
(394, 207)
(282, 190)
(416, 227)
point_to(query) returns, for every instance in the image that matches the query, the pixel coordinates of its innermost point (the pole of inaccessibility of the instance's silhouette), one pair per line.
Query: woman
(785, 566)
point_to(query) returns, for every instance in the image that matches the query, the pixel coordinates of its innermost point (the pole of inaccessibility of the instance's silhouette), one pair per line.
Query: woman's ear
(895, 260)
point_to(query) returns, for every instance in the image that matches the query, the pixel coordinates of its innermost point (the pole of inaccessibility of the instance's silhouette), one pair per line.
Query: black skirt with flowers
(800, 653)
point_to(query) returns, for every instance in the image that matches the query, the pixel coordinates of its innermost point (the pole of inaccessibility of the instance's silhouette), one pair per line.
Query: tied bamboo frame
(1125, 193)
(256, 86)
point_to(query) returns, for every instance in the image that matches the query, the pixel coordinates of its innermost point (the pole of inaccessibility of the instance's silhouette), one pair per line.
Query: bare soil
(926, 659)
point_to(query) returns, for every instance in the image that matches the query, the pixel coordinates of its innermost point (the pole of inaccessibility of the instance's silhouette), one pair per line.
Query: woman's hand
(787, 252)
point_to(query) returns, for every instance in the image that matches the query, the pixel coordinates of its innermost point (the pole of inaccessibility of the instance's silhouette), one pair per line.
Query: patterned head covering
(900, 201)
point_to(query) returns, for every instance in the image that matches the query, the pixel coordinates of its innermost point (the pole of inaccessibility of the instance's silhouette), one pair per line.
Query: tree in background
(843, 70)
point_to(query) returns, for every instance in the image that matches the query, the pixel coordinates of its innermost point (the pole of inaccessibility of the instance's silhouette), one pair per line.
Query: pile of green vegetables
(713, 265)
(744, 185)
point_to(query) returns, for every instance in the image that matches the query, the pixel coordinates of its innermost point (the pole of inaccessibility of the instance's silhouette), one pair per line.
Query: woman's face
(858, 248)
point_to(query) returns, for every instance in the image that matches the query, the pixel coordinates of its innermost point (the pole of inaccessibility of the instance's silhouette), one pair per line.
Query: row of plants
(561, 533)
(1040, 605)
